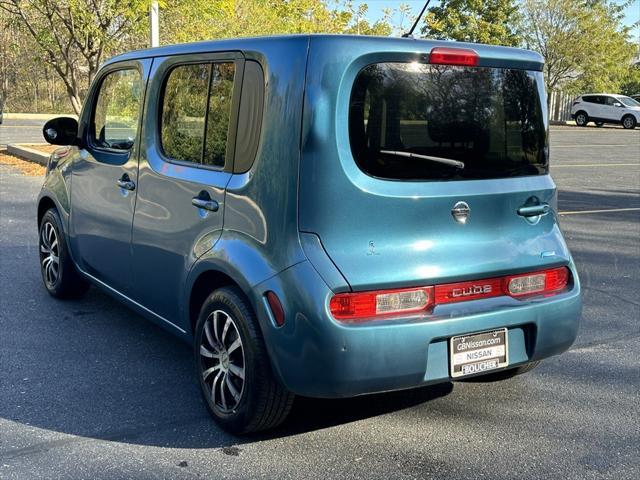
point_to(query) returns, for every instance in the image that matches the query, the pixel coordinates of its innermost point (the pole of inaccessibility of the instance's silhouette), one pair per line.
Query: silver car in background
(602, 108)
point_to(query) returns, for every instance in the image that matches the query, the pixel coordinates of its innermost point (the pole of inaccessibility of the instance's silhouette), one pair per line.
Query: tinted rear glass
(490, 119)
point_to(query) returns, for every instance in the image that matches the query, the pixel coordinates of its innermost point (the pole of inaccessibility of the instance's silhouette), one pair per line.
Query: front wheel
(599, 124)
(233, 367)
(59, 274)
(629, 122)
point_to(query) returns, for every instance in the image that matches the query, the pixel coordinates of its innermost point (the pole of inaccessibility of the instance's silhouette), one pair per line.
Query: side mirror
(617, 104)
(61, 131)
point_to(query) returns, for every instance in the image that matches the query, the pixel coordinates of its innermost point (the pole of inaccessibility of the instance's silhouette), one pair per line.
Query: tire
(236, 380)
(582, 118)
(599, 124)
(504, 374)
(59, 274)
(629, 122)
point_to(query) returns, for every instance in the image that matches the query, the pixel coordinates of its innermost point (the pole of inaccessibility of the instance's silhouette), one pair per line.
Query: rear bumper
(313, 355)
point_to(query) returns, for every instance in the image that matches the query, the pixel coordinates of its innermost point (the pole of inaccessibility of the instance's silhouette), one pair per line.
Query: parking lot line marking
(593, 145)
(605, 210)
(597, 165)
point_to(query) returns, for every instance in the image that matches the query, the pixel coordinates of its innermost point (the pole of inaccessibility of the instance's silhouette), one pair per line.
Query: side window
(196, 106)
(114, 123)
(589, 99)
(219, 111)
(610, 101)
(183, 112)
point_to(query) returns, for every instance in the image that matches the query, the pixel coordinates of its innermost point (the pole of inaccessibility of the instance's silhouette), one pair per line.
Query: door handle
(126, 183)
(534, 210)
(207, 204)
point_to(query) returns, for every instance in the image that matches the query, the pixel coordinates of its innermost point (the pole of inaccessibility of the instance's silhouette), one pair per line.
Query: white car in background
(602, 108)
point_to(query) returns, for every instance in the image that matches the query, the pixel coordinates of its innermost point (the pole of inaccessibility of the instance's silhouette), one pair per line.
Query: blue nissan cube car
(326, 216)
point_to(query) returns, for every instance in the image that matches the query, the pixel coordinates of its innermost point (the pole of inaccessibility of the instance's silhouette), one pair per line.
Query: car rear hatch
(427, 168)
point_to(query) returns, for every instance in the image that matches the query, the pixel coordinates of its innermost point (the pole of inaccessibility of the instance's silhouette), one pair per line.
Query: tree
(481, 21)
(190, 20)
(63, 42)
(584, 43)
(631, 83)
(75, 35)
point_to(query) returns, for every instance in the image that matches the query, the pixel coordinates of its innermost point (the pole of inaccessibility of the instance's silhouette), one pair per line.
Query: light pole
(154, 24)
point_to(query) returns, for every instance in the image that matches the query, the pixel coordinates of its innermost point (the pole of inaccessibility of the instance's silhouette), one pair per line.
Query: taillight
(380, 303)
(354, 306)
(453, 56)
(547, 281)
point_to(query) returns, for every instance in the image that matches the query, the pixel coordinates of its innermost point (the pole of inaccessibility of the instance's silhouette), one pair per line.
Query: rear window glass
(432, 122)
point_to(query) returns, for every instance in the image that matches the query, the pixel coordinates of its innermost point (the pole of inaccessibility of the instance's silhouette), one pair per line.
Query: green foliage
(192, 20)
(584, 43)
(69, 39)
(631, 81)
(481, 21)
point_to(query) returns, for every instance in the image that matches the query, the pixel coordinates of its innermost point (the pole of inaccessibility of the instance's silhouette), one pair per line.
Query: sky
(632, 12)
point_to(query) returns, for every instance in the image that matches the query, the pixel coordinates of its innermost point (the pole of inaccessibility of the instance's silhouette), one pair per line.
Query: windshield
(628, 101)
(490, 119)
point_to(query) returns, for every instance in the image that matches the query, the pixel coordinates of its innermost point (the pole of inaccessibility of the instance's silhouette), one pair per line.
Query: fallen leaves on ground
(31, 169)
(42, 147)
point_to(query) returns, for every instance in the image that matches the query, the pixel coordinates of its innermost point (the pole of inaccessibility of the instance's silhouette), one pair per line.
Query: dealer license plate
(478, 353)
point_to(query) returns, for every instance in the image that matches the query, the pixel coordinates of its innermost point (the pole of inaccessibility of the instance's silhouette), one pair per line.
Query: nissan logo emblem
(461, 212)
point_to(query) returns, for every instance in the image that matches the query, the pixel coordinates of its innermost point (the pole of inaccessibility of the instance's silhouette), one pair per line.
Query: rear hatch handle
(534, 210)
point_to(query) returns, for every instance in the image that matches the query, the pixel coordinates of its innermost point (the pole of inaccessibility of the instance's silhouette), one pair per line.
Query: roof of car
(610, 94)
(527, 58)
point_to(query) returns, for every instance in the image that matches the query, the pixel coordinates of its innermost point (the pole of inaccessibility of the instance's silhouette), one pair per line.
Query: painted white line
(593, 145)
(597, 165)
(583, 212)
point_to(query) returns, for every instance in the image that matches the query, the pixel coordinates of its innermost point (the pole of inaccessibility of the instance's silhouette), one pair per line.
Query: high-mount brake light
(453, 56)
(362, 306)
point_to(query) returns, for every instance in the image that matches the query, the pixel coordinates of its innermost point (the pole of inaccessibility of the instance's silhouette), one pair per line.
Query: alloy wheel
(222, 361)
(49, 254)
(581, 119)
(628, 122)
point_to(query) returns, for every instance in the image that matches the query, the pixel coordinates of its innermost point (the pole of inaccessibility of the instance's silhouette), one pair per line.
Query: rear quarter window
(412, 121)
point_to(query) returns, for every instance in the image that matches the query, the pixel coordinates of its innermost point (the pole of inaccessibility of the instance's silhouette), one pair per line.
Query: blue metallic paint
(299, 223)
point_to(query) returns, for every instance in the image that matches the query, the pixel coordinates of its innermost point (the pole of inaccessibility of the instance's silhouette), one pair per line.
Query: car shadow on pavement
(92, 369)
(314, 414)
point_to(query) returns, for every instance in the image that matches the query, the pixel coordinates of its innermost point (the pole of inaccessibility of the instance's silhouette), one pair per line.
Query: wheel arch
(45, 203)
(206, 282)
(234, 260)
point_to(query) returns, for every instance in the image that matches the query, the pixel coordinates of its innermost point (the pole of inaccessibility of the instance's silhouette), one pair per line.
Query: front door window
(115, 118)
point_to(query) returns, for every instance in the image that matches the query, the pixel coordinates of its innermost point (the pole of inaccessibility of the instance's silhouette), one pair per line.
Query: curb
(28, 154)
(36, 116)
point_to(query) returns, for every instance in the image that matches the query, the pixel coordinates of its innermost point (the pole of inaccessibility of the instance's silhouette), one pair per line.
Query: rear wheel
(582, 119)
(233, 367)
(629, 122)
(599, 124)
(59, 274)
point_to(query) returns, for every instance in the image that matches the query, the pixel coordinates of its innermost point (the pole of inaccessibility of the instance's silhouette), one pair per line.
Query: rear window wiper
(445, 161)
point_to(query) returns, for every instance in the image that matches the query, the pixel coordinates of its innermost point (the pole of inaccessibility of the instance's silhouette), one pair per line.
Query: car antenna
(409, 34)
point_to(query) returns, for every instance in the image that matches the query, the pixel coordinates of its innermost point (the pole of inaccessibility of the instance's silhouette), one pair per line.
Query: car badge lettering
(472, 290)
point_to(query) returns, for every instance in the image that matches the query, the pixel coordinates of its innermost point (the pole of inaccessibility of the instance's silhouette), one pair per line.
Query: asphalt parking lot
(88, 389)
